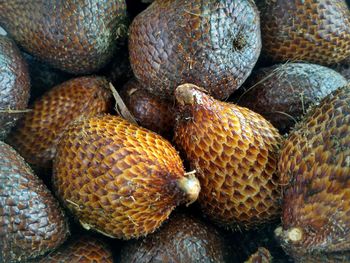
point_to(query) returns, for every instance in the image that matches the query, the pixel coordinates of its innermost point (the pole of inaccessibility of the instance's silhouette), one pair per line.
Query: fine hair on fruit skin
(213, 44)
(120, 179)
(234, 152)
(283, 93)
(315, 165)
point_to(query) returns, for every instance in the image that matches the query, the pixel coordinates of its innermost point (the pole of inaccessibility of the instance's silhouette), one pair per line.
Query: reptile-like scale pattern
(84, 249)
(317, 31)
(214, 44)
(31, 222)
(151, 112)
(78, 36)
(37, 134)
(234, 152)
(315, 163)
(117, 178)
(14, 84)
(181, 239)
(282, 93)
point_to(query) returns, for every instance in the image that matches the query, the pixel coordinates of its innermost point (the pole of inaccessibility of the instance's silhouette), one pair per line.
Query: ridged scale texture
(14, 84)
(283, 93)
(234, 152)
(315, 163)
(85, 249)
(77, 36)
(31, 222)
(37, 134)
(317, 31)
(150, 111)
(181, 239)
(214, 44)
(117, 178)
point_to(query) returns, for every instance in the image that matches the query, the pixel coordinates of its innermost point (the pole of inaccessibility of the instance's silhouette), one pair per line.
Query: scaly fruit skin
(77, 36)
(37, 134)
(315, 164)
(31, 222)
(150, 111)
(14, 84)
(282, 93)
(182, 239)
(234, 152)
(81, 249)
(213, 44)
(119, 179)
(314, 31)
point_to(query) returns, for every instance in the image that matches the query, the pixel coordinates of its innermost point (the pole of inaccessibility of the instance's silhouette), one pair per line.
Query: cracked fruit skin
(315, 166)
(77, 36)
(14, 84)
(282, 93)
(36, 135)
(317, 31)
(118, 178)
(81, 249)
(213, 44)
(31, 221)
(183, 238)
(234, 152)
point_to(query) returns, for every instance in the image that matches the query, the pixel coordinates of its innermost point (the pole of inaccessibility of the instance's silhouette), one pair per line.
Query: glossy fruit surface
(78, 36)
(14, 85)
(182, 239)
(120, 179)
(37, 134)
(284, 92)
(213, 44)
(150, 111)
(234, 152)
(315, 166)
(31, 222)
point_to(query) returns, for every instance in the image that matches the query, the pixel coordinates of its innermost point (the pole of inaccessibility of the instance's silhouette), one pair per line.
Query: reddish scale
(315, 165)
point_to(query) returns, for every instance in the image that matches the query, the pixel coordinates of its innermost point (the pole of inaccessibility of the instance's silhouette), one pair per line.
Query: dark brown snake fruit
(14, 85)
(315, 166)
(78, 36)
(213, 44)
(317, 31)
(31, 221)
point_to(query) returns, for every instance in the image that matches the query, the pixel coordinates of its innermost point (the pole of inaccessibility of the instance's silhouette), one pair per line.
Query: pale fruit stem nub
(295, 234)
(190, 186)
